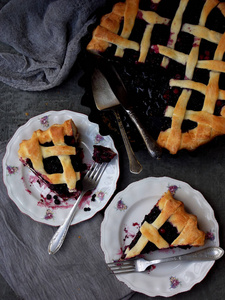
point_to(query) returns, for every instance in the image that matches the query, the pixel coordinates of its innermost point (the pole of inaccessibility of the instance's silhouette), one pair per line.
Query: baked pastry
(170, 55)
(52, 155)
(167, 225)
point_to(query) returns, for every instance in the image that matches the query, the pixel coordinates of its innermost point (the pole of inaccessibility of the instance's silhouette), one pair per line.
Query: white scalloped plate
(27, 193)
(122, 220)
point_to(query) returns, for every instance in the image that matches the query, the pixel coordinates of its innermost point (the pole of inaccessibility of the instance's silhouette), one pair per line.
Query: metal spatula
(116, 85)
(105, 99)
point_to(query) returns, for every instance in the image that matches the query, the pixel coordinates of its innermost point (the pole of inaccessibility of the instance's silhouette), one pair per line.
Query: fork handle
(206, 254)
(135, 166)
(59, 237)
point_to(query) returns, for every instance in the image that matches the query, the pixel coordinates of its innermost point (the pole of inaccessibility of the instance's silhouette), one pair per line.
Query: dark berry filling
(102, 154)
(52, 165)
(76, 161)
(168, 232)
(70, 141)
(47, 144)
(150, 218)
(148, 83)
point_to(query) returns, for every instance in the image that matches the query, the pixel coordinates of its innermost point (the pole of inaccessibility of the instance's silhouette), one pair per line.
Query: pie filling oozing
(168, 225)
(170, 56)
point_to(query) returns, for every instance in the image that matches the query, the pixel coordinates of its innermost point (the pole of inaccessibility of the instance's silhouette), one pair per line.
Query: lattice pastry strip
(173, 138)
(211, 65)
(35, 150)
(107, 32)
(171, 211)
(129, 19)
(175, 28)
(151, 18)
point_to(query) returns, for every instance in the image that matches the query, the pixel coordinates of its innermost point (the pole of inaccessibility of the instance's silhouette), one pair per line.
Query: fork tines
(123, 266)
(96, 170)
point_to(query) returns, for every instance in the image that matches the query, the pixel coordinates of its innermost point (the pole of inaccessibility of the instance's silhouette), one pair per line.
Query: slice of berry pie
(52, 155)
(102, 154)
(168, 225)
(170, 55)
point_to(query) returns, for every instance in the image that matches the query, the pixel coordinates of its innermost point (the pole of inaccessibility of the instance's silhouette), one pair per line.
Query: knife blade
(105, 99)
(118, 88)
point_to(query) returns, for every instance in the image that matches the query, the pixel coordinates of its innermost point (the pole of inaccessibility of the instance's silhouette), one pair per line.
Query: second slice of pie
(168, 225)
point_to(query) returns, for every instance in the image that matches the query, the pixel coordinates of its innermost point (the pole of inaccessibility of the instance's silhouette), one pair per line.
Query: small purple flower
(101, 195)
(99, 138)
(44, 121)
(121, 205)
(210, 236)
(11, 169)
(174, 282)
(49, 214)
(173, 189)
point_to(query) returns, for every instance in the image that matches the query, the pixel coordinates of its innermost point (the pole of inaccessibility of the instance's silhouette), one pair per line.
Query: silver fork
(141, 264)
(89, 182)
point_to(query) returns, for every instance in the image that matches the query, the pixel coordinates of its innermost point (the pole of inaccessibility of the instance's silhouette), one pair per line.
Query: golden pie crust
(35, 150)
(209, 126)
(173, 211)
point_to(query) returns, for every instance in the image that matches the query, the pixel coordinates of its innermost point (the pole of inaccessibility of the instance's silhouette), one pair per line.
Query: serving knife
(105, 99)
(118, 88)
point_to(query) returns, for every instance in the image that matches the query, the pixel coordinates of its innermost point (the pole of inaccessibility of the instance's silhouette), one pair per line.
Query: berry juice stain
(128, 233)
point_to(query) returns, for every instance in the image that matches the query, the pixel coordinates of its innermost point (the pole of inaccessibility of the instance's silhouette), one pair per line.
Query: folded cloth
(77, 271)
(44, 36)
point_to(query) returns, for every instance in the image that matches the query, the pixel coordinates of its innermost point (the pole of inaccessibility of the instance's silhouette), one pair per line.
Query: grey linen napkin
(43, 38)
(77, 271)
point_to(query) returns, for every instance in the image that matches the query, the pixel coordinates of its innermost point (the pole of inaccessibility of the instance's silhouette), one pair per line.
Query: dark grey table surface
(203, 170)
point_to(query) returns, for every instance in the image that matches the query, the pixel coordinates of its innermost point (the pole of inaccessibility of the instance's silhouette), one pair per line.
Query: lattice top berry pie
(170, 55)
(167, 225)
(52, 155)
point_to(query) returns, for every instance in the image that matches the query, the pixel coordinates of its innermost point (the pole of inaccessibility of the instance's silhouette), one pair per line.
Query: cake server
(105, 99)
(118, 88)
